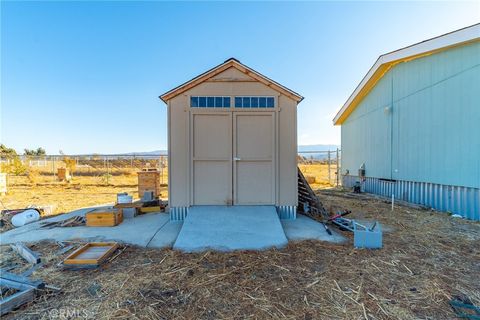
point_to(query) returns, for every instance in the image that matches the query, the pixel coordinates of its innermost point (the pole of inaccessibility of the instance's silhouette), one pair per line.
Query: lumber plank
(14, 284)
(38, 284)
(16, 300)
(26, 253)
(307, 196)
(64, 250)
(29, 271)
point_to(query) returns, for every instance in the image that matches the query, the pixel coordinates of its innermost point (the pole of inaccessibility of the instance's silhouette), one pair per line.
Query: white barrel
(25, 217)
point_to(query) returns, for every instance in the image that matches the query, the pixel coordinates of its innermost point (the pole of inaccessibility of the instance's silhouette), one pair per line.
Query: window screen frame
(259, 97)
(210, 99)
(233, 107)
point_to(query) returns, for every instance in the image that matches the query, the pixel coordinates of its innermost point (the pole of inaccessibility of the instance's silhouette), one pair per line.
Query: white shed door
(212, 158)
(253, 155)
(233, 158)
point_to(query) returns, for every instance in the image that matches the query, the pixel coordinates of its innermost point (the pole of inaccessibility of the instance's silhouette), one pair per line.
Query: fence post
(108, 171)
(338, 168)
(329, 175)
(53, 167)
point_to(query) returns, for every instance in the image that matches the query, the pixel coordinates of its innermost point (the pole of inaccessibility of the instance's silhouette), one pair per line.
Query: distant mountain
(308, 150)
(318, 147)
(147, 153)
(318, 151)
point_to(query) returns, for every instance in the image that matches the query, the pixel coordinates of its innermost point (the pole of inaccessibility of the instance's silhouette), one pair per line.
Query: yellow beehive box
(104, 218)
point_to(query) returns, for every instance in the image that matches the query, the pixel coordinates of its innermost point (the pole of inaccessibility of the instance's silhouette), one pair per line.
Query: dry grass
(427, 259)
(85, 189)
(320, 172)
(89, 187)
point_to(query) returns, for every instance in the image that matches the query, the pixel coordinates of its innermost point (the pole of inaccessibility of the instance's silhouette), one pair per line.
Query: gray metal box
(365, 238)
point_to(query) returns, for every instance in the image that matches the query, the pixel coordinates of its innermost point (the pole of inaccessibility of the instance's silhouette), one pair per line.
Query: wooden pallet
(308, 198)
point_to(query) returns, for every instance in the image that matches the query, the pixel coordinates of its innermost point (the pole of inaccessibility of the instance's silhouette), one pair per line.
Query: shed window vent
(254, 102)
(210, 102)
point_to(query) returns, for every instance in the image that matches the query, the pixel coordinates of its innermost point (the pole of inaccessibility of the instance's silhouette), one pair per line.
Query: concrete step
(228, 228)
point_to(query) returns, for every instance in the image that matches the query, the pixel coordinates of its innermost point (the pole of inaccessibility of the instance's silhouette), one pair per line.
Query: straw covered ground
(428, 258)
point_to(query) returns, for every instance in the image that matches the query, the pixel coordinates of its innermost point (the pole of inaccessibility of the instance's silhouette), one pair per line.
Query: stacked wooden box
(63, 174)
(149, 180)
(104, 218)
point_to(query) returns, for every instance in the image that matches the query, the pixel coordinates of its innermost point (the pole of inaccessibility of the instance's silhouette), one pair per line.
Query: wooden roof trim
(269, 82)
(195, 81)
(224, 66)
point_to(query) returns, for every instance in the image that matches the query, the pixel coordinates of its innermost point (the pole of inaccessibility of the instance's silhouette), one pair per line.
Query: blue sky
(84, 77)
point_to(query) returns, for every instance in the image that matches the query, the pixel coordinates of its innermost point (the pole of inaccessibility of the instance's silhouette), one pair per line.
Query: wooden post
(53, 167)
(26, 253)
(108, 172)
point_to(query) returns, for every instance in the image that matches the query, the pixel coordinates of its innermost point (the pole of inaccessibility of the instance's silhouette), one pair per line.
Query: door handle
(236, 159)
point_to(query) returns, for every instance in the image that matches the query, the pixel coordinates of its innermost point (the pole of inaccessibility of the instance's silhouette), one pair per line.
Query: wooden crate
(91, 254)
(134, 205)
(99, 218)
(149, 181)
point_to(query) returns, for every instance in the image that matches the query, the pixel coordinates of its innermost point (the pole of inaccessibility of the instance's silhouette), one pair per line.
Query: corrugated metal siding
(287, 212)
(432, 134)
(178, 213)
(464, 201)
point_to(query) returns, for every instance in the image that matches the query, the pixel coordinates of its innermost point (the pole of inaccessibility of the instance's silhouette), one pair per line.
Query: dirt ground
(428, 258)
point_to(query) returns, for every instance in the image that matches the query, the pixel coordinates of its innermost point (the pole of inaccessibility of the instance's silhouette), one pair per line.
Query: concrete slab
(305, 228)
(142, 230)
(206, 227)
(228, 228)
(165, 237)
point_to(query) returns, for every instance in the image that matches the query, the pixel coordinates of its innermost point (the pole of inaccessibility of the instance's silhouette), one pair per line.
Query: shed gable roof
(230, 63)
(386, 61)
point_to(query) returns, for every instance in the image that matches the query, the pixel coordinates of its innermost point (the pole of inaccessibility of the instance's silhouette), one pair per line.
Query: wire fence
(321, 166)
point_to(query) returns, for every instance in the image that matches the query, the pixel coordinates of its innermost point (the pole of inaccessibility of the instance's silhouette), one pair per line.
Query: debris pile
(75, 221)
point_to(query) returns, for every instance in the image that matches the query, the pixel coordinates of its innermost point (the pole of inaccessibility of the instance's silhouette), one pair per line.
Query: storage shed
(411, 128)
(232, 140)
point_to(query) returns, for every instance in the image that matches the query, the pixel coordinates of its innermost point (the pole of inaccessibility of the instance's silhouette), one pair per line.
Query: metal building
(232, 140)
(412, 126)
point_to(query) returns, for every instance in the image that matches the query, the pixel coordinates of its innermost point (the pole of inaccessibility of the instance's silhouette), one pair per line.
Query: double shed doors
(232, 157)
